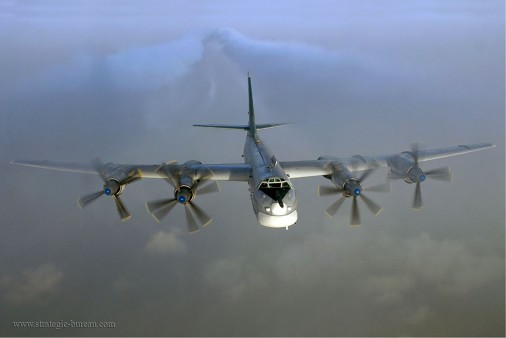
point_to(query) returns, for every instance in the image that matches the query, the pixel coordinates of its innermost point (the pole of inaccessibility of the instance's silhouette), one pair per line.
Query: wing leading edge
(218, 172)
(325, 164)
(295, 169)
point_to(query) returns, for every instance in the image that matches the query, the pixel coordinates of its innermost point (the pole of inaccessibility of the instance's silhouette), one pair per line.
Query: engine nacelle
(352, 187)
(187, 181)
(116, 172)
(344, 180)
(116, 177)
(415, 175)
(184, 194)
(113, 187)
(405, 168)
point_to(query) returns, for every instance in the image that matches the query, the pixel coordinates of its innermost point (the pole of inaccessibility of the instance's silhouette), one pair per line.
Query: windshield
(276, 188)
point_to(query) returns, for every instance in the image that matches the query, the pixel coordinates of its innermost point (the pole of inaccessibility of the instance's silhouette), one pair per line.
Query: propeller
(195, 216)
(416, 175)
(112, 187)
(353, 188)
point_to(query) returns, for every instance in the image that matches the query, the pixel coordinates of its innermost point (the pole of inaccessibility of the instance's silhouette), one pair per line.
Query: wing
(434, 154)
(116, 176)
(60, 166)
(147, 171)
(239, 172)
(216, 172)
(310, 168)
(426, 155)
(325, 165)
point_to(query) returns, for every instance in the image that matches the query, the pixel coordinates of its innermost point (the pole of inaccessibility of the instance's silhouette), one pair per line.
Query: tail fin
(252, 130)
(251, 127)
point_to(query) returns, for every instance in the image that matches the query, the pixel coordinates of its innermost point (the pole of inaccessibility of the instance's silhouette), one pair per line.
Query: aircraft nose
(277, 210)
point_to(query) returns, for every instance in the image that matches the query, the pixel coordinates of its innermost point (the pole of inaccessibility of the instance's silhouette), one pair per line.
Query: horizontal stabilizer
(242, 127)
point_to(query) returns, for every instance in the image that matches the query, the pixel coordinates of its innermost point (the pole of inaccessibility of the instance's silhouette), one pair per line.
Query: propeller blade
(438, 171)
(391, 177)
(160, 208)
(366, 174)
(442, 174)
(171, 181)
(415, 149)
(120, 206)
(190, 220)
(208, 188)
(169, 177)
(375, 208)
(331, 211)
(327, 190)
(207, 174)
(87, 199)
(201, 214)
(122, 210)
(99, 166)
(383, 187)
(417, 198)
(132, 178)
(355, 213)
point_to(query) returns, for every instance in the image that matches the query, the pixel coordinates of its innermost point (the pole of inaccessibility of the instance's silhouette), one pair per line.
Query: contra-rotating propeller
(353, 188)
(196, 217)
(112, 187)
(416, 175)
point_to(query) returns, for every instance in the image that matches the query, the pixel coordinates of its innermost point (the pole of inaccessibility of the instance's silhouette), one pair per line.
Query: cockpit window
(274, 182)
(276, 188)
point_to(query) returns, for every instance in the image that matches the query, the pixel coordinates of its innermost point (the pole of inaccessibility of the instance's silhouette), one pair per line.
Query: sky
(124, 82)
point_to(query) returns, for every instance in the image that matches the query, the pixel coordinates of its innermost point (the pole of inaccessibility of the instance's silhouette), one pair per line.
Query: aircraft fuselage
(272, 194)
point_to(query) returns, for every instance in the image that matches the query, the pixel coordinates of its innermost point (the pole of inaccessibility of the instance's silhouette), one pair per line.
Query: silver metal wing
(216, 172)
(187, 179)
(325, 165)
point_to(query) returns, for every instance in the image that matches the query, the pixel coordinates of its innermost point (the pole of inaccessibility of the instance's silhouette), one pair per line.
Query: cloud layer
(32, 285)
(126, 82)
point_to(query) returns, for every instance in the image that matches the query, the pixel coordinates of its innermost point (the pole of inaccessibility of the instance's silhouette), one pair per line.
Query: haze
(125, 82)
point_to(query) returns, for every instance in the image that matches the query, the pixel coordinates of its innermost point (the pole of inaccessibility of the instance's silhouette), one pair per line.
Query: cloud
(449, 265)
(123, 284)
(154, 66)
(136, 68)
(166, 243)
(236, 277)
(285, 62)
(32, 285)
(443, 266)
(419, 316)
(390, 288)
(357, 275)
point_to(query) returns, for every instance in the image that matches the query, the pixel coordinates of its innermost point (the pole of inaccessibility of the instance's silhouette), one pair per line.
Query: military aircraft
(271, 190)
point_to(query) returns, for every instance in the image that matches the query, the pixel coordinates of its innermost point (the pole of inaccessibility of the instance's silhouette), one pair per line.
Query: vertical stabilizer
(252, 126)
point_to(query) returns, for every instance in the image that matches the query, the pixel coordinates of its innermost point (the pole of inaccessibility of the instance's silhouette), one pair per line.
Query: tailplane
(243, 126)
(251, 127)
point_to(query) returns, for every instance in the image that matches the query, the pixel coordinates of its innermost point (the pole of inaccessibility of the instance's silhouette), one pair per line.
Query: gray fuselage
(272, 194)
